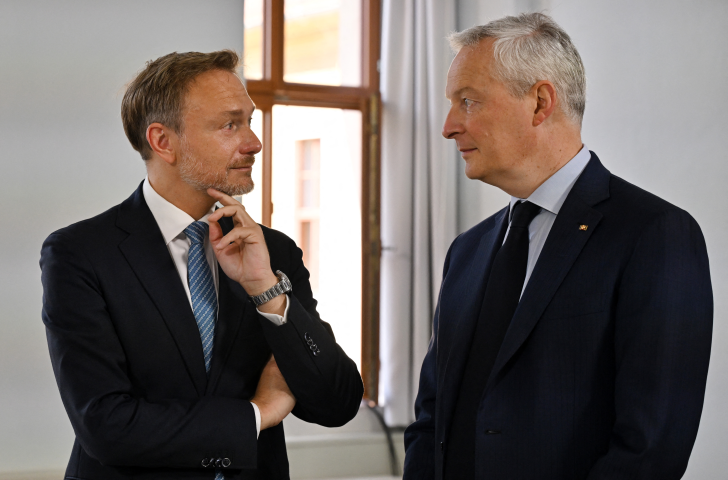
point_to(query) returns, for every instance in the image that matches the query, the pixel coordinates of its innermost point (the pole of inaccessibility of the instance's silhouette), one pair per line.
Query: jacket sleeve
(112, 420)
(662, 342)
(419, 437)
(324, 380)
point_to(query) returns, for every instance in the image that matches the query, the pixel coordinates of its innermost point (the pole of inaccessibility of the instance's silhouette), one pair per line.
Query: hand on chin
(242, 253)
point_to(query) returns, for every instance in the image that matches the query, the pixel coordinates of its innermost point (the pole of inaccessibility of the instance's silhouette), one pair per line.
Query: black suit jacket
(602, 371)
(127, 356)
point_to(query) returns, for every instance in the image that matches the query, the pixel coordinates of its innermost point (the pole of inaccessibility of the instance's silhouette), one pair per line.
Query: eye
(228, 126)
(468, 103)
(250, 122)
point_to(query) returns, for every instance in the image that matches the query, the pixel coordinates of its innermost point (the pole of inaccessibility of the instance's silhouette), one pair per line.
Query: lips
(247, 162)
(241, 165)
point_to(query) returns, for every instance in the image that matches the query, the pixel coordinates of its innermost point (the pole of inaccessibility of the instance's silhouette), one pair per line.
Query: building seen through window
(308, 153)
(316, 201)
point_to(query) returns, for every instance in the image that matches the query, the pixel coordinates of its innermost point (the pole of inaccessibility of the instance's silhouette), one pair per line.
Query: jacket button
(492, 432)
(442, 446)
(226, 462)
(206, 462)
(306, 336)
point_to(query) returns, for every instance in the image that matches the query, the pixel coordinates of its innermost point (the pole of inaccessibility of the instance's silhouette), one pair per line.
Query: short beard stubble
(194, 172)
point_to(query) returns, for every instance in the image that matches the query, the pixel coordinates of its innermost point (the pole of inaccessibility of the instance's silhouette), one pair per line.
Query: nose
(250, 144)
(452, 126)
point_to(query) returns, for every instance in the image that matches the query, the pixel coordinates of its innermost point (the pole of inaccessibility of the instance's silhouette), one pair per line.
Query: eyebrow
(239, 113)
(460, 91)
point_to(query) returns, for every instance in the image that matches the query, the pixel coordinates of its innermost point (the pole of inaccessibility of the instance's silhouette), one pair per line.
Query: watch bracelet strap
(283, 286)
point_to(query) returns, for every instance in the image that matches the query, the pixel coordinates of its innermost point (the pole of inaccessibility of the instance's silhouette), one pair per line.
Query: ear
(163, 141)
(545, 101)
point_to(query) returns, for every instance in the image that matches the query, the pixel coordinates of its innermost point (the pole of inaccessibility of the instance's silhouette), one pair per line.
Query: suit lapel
(147, 254)
(233, 308)
(465, 297)
(562, 247)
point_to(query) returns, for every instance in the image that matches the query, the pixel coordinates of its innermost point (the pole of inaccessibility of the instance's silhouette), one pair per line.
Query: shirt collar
(171, 220)
(553, 192)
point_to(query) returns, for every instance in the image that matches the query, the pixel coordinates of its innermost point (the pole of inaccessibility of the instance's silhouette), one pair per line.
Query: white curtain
(419, 190)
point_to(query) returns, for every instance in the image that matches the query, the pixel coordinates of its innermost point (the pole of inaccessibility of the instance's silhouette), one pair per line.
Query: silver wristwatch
(283, 286)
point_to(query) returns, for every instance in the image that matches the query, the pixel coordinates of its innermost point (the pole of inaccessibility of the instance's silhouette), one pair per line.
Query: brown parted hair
(157, 93)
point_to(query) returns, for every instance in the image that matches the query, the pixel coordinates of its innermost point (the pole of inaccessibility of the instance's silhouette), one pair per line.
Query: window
(308, 160)
(311, 69)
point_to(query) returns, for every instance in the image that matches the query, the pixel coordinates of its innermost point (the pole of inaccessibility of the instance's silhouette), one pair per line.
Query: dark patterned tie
(502, 294)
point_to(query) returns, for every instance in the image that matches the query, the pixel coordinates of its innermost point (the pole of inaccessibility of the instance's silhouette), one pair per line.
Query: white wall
(63, 158)
(657, 75)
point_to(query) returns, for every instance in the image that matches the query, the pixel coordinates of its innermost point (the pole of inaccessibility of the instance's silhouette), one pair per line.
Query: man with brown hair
(180, 334)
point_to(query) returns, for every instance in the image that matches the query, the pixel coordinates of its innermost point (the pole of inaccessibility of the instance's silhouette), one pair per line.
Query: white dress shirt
(550, 197)
(172, 222)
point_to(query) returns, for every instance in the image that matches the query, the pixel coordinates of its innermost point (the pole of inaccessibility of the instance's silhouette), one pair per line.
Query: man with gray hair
(572, 334)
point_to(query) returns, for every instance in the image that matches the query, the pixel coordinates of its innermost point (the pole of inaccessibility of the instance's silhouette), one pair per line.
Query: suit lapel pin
(583, 227)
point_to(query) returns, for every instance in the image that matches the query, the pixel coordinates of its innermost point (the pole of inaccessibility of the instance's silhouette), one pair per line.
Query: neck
(540, 164)
(171, 187)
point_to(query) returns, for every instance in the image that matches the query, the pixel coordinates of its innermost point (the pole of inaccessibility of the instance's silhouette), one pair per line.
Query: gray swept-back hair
(529, 48)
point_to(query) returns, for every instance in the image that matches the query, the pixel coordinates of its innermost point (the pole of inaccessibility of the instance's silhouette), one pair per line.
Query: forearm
(123, 431)
(325, 382)
(118, 426)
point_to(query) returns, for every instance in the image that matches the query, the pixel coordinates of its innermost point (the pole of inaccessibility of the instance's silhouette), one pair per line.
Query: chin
(472, 173)
(237, 189)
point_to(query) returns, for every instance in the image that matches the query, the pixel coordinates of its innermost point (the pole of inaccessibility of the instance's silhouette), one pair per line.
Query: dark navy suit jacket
(602, 371)
(127, 356)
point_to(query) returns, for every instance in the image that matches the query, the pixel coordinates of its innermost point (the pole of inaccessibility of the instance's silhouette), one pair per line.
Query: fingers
(233, 211)
(215, 232)
(228, 201)
(238, 235)
(247, 219)
(223, 198)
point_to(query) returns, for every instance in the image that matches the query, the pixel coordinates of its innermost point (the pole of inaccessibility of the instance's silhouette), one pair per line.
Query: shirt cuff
(257, 419)
(277, 319)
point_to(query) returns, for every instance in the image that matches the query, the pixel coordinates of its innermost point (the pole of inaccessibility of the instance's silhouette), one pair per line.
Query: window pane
(254, 200)
(322, 42)
(253, 39)
(316, 201)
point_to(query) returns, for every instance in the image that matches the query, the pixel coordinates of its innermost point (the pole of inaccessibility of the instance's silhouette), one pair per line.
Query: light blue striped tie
(202, 288)
(202, 291)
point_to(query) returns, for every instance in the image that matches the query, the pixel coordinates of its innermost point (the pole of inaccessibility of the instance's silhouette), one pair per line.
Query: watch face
(285, 283)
